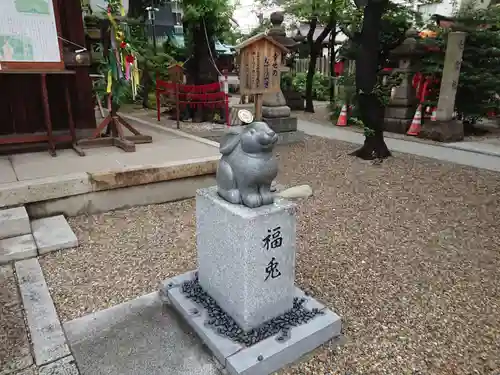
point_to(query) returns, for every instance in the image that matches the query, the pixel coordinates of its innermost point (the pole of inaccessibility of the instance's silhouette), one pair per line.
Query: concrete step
(14, 222)
(52, 234)
(17, 248)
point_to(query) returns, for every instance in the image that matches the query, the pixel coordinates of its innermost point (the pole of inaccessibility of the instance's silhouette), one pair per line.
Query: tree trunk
(146, 88)
(332, 62)
(200, 67)
(370, 108)
(313, 55)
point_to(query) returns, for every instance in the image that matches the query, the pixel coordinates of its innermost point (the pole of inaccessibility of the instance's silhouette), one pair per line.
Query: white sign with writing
(28, 31)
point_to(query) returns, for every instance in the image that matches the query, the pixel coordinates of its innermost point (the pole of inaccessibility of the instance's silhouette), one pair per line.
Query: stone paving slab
(14, 222)
(7, 173)
(267, 356)
(14, 345)
(17, 248)
(63, 366)
(47, 336)
(136, 338)
(53, 233)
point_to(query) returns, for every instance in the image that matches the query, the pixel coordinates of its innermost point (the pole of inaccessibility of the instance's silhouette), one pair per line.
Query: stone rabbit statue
(247, 166)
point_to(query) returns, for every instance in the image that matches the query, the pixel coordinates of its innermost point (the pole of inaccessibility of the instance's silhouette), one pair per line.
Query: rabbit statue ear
(230, 140)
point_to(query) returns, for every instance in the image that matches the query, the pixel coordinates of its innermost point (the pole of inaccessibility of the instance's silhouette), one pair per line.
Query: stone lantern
(401, 108)
(275, 111)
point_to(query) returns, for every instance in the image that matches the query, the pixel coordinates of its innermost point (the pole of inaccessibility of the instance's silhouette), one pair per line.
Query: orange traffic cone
(434, 114)
(416, 124)
(342, 121)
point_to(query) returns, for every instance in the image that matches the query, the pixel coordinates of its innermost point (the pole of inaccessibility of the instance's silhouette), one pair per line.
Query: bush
(297, 82)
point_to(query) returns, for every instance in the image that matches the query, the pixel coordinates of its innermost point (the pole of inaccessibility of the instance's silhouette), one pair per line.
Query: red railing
(212, 95)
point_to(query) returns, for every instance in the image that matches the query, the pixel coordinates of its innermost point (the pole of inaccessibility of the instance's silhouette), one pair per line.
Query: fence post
(177, 105)
(226, 98)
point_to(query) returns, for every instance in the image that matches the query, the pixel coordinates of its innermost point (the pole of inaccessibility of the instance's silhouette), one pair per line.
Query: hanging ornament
(110, 82)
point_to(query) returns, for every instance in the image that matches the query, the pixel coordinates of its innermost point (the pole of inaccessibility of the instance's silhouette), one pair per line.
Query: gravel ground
(14, 345)
(406, 252)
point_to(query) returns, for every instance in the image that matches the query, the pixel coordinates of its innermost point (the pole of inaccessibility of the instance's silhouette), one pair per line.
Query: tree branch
(312, 28)
(323, 35)
(349, 34)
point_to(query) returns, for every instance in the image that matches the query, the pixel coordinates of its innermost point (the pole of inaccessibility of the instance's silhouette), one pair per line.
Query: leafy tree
(260, 28)
(316, 13)
(204, 19)
(479, 78)
(381, 28)
(231, 36)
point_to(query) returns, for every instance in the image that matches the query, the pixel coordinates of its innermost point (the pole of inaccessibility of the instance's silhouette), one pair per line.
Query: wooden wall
(20, 95)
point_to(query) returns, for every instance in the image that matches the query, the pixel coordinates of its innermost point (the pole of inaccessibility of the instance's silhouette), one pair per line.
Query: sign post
(261, 59)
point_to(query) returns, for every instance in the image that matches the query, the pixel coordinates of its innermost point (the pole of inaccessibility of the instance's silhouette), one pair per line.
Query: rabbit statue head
(247, 167)
(255, 138)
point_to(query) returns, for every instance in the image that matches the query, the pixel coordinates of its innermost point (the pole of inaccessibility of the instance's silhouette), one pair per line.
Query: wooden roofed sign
(261, 58)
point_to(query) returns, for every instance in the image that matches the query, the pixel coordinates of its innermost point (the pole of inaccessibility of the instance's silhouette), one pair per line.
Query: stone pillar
(451, 73)
(401, 108)
(445, 128)
(246, 257)
(275, 111)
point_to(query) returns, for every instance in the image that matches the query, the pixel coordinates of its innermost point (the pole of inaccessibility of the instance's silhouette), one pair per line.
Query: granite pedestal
(246, 260)
(246, 257)
(266, 356)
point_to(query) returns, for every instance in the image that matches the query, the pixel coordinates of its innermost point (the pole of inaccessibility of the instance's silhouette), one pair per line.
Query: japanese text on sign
(275, 64)
(257, 72)
(272, 270)
(247, 71)
(273, 240)
(266, 72)
(254, 68)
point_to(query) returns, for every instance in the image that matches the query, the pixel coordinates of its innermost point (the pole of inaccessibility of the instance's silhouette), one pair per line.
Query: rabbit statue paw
(247, 166)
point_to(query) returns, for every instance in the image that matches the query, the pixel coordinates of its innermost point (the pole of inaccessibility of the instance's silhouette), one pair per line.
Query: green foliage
(262, 27)
(215, 14)
(231, 36)
(397, 19)
(479, 78)
(297, 82)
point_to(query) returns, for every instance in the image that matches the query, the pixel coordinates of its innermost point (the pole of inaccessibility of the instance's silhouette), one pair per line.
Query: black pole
(153, 16)
(333, 33)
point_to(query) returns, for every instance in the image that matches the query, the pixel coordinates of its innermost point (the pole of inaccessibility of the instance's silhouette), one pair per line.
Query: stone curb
(482, 152)
(48, 188)
(432, 143)
(47, 336)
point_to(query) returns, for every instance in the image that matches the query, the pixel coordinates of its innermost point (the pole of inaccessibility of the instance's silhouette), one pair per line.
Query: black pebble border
(224, 325)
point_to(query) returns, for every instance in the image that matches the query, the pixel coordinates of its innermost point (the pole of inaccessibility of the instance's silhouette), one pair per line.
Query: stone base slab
(396, 125)
(443, 131)
(264, 357)
(288, 138)
(281, 124)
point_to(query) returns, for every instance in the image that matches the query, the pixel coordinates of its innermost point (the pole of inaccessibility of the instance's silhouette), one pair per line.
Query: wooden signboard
(261, 58)
(29, 39)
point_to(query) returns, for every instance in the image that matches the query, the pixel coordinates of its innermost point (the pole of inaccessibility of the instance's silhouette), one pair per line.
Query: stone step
(52, 234)
(14, 222)
(17, 248)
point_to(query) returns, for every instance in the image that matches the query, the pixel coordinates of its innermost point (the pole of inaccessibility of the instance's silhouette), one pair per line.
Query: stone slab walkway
(138, 337)
(444, 152)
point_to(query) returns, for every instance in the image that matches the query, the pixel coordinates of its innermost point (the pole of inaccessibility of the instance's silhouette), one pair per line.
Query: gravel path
(408, 253)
